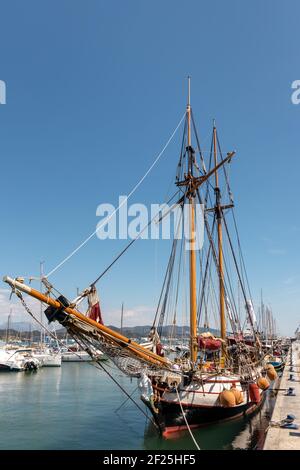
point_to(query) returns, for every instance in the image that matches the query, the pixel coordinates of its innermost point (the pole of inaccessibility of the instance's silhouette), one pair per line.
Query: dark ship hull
(169, 417)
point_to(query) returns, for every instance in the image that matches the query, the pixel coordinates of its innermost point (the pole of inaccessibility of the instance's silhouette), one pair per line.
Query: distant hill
(20, 326)
(17, 334)
(167, 330)
(22, 329)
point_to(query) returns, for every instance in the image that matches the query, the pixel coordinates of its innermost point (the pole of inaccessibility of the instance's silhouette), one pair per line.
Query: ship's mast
(193, 290)
(218, 210)
(8, 326)
(122, 314)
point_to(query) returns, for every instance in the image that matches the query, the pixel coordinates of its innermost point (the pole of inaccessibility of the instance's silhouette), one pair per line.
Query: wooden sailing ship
(223, 376)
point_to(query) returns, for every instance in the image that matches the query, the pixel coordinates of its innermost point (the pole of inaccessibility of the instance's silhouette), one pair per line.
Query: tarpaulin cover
(209, 343)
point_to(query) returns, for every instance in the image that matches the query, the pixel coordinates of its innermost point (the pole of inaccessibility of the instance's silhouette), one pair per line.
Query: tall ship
(219, 372)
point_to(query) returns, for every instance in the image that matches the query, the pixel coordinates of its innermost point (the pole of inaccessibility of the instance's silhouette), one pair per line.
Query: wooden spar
(193, 288)
(193, 295)
(193, 183)
(201, 179)
(131, 345)
(220, 241)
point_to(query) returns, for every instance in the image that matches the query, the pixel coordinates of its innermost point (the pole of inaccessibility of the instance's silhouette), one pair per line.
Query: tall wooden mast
(218, 209)
(193, 290)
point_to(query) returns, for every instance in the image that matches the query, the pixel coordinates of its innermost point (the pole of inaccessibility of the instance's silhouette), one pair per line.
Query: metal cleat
(290, 392)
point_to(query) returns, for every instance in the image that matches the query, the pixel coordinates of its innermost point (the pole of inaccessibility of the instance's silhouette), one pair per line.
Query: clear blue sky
(95, 88)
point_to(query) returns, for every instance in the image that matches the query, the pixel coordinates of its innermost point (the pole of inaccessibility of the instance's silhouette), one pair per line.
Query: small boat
(75, 356)
(47, 357)
(278, 364)
(9, 362)
(30, 363)
(18, 360)
(69, 355)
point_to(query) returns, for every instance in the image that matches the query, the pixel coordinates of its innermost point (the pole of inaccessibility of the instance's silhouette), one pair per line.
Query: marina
(196, 379)
(73, 392)
(72, 400)
(215, 379)
(149, 294)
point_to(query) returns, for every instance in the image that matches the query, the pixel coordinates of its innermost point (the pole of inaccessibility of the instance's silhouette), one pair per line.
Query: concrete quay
(283, 438)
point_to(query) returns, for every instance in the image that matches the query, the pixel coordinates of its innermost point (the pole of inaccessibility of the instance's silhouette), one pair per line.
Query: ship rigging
(221, 376)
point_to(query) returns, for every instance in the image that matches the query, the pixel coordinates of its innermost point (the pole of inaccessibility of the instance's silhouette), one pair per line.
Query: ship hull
(200, 403)
(169, 418)
(5, 368)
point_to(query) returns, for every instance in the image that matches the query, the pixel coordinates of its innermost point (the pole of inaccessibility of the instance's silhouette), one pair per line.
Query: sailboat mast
(122, 314)
(8, 326)
(263, 323)
(220, 240)
(193, 290)
(41, 306)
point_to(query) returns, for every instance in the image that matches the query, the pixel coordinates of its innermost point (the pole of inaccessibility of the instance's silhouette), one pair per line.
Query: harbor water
(76, 407)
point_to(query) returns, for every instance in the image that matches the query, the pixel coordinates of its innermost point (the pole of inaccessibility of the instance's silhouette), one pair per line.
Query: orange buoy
(227, 398)
(239, 397)
(263, 383)
(254, 394)
(271, 372)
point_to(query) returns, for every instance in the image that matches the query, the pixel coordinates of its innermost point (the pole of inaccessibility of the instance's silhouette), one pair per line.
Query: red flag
(94, 311)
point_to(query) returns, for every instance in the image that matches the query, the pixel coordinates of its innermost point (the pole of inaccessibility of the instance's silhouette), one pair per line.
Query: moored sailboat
(218, 378)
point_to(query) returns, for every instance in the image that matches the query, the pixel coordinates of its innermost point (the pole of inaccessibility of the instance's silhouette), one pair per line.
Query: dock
(278, 438)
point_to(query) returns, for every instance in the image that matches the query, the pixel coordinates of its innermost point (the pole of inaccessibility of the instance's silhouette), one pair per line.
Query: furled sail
(94, 310)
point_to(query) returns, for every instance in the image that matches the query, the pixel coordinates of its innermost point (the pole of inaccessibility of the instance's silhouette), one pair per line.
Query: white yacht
(47, 357)
(18, 360)
(74, 355)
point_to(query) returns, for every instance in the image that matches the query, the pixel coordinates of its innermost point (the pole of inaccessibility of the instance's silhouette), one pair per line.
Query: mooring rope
(187, 424)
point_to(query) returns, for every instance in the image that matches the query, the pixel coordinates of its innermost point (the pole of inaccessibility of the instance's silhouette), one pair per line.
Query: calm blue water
(73, 407)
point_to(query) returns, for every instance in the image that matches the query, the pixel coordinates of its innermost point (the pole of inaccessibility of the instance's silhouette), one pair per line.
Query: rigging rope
(243, 267)
(129, 397)
(124, 201)
(239, 277)
(129, 244)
